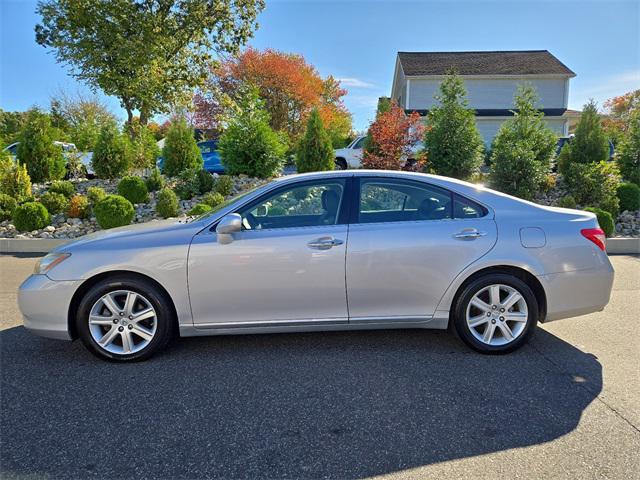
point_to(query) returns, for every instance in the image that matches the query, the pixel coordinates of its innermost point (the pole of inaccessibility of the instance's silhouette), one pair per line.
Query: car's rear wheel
(124, 319)
(496, 313)
(341, 164)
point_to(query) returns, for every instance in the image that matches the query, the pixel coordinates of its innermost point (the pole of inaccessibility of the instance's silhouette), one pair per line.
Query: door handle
(324, 243)
(469, 234)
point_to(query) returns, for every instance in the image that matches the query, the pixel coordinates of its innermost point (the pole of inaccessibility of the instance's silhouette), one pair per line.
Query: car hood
(139, 232)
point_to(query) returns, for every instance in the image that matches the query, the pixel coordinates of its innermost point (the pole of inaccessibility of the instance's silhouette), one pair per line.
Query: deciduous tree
(150, 54)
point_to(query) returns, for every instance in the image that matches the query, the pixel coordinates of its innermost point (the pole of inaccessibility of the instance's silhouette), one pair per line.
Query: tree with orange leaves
(289, 86)
(392, 136)
(618, 112)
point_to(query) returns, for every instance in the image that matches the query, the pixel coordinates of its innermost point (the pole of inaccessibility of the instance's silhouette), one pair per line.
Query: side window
(306, 205)
(359, 143)
(383, 200)
(465, 208)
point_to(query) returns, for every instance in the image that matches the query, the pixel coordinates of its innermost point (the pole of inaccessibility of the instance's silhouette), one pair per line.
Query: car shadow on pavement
(309, 405)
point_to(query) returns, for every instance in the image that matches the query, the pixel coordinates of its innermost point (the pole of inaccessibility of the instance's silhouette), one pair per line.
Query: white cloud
(602, 89)
(354, 83)
(361, 100)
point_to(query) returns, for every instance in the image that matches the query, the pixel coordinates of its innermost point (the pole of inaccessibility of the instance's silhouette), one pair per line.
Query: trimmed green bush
(205, 181)
(7, 206)
(15, 182)
(180, 150)
(64, 187)
(188, 185)
(200, 209)
(213, 199)
(224, 185)
(31, 216)
(133, 189)
(95, 194)
(593, 184)
(110, 157)
(155, 181)
(567, 202)
(605, 220)
(167, 203)
(249, 145)
(629, 196)
(54, 202)
(78, 207)
(43, 159)
(114, 211)
(315, 151)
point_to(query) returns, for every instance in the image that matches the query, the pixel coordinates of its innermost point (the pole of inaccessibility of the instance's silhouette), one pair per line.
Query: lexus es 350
(343, 250)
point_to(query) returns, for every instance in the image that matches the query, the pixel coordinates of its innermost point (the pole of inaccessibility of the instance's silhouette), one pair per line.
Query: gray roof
(525, 62)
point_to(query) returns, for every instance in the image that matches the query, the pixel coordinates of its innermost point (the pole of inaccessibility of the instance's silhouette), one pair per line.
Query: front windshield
(224, 204)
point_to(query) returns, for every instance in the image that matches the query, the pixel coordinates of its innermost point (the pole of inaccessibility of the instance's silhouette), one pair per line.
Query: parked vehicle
(68, 149)
(341, 250)
(211, 161)
(351, 155)
(563, 140)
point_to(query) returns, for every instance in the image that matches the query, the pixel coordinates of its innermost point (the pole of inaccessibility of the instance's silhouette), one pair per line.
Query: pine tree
(315, 152)
(452, 140)
(523, 148)
(180, 150)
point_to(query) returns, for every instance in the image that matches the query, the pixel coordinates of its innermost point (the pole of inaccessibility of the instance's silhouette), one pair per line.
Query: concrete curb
(615, 246)
(30, 245)
(623, 246)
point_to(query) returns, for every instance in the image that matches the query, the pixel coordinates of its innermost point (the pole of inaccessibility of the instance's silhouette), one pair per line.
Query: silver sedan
(346, 250)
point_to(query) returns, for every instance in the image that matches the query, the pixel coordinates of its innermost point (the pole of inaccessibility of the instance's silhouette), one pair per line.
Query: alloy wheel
(122, 322)
(497, 315)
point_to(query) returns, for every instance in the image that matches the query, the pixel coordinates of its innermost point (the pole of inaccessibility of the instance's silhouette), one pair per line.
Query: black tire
(341, 164)
(165, 318)
(475, 286)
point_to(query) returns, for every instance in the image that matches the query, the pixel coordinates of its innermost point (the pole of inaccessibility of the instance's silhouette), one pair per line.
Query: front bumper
(579, 292)
(44, 304)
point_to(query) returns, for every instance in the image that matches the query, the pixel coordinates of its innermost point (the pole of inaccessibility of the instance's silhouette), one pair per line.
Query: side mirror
(231, 223)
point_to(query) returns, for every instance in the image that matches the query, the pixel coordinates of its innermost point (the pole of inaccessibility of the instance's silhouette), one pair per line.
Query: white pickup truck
(351, 155)
(67, 150)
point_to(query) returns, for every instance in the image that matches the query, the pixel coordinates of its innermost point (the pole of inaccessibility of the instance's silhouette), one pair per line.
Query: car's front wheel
(124, 319)
(496, 313)
(341, 164)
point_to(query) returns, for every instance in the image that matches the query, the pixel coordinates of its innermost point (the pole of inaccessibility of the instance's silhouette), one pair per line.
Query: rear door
(407, 242)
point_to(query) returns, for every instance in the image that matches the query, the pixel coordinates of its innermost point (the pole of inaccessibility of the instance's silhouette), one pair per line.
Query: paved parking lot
(401, 404)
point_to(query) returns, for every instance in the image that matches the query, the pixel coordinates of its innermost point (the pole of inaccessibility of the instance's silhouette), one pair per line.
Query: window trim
(354, 218)
(344, 209)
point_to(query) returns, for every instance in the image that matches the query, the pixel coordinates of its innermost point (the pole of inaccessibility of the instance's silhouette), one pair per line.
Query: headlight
(49, 261)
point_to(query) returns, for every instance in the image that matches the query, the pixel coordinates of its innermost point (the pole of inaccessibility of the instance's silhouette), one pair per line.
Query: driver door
(286, 266)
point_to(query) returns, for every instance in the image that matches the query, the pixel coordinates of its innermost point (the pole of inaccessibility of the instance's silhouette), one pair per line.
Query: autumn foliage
(288, 85)
(392, 136)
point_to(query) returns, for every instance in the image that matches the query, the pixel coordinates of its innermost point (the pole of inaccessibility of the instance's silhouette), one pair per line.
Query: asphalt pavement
(394, 404)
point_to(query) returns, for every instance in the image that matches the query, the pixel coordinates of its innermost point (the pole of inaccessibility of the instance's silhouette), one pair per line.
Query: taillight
(596, 235)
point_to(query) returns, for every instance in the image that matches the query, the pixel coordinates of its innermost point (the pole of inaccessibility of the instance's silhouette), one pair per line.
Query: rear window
(465, 208)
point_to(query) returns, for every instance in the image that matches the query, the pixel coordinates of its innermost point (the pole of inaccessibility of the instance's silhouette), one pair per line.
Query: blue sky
(357, 41)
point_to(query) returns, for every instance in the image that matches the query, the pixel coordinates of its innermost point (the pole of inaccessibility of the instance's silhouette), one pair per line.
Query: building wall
(489, 126)
(488, 93)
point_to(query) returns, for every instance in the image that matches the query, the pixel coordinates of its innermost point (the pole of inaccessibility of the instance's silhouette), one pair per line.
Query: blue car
(210, 157)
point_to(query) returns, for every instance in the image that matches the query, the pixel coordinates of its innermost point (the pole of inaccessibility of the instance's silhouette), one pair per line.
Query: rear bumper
(570, 294)
(44, 304)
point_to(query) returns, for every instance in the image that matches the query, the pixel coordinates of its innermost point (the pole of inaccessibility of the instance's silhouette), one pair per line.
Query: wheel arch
(518, 272)
(91, 281)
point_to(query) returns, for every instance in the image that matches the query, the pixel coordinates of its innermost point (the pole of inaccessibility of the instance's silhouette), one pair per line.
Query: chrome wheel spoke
(130, 303)
(494, 294)
(478, 320)
(487, 336)
(111, 305)
(144, 315)
(480, 305)
(516, 317)
(100, 320)
(142, 332)
(127, 341)
(108, 337)
(513, 298)
(506, 331)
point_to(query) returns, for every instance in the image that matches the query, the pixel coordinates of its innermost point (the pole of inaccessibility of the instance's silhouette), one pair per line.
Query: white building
(491, 80)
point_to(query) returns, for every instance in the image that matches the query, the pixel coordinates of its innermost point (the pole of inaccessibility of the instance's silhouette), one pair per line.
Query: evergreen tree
(111, 155)
(315, 152)
(43, 159)
(629, 158)
(180, 150)
(523, 148)
(452, 140)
